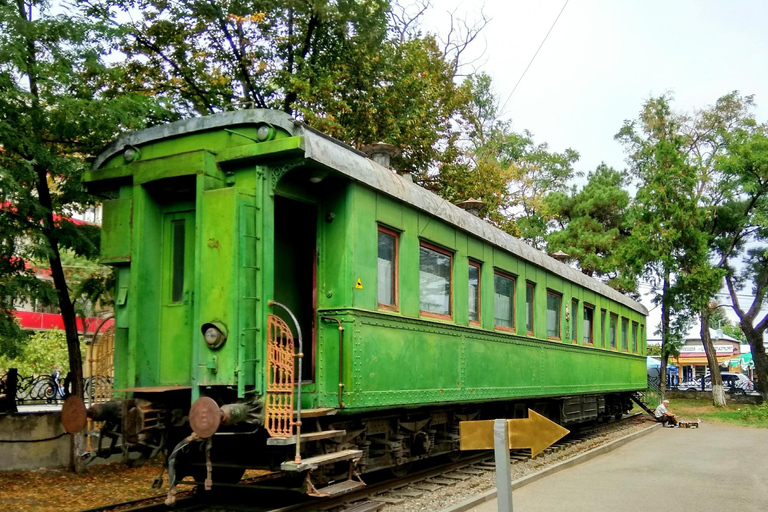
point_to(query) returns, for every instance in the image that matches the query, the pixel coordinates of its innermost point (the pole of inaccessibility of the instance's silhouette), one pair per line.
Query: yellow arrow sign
(535, 432)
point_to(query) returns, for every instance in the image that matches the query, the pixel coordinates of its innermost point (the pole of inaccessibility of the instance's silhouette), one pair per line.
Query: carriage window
(529, 289)
(503, 301)
(589, 313)
(387, 270)
(624, 333)
(177, 272)
(574, 319)
(553, 315)
(634, 337)
(435, 282)
(614, 322)
(602, 328)
(474, 292)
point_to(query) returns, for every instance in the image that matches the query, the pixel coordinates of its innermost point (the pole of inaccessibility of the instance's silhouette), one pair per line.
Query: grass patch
(745, 415)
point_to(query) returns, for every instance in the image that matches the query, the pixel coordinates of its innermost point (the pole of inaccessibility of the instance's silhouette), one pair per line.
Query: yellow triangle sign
(359, 284)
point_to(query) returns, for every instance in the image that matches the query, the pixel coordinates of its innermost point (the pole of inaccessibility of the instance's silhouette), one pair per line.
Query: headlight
(214, 334)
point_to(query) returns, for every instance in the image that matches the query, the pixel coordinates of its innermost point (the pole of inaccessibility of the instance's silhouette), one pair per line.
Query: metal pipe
(341, 357)
(300, 356)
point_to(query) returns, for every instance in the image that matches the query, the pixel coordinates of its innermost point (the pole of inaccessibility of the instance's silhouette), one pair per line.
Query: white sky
(603, 59)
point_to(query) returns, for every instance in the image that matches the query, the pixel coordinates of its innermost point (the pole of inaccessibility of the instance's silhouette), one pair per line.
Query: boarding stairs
(652, 394)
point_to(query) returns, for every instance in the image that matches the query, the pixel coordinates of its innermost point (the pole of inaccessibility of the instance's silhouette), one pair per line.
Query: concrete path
(715, 468)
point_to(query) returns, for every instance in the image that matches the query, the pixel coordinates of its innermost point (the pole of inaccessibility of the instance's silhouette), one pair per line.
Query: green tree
(590, 224)
(508, 170)
(41, 352)
(667, 224)
(53, 113)
(352, 69)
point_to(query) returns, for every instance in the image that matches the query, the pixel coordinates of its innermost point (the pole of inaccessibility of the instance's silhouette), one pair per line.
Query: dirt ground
(59, 490)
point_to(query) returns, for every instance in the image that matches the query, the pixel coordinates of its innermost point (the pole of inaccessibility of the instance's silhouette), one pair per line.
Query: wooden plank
(305, 438)
(340, 488)
(316, 413)
(320, 460)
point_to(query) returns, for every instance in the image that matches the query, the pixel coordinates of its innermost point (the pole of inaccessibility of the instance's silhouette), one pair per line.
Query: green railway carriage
(232, 233)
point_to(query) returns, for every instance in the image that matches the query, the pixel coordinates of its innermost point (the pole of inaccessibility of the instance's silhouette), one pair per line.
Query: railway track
(380, 492)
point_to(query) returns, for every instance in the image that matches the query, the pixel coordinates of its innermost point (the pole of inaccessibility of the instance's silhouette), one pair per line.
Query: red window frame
(591, 339)
(395, 273)
(445, 252)
(478, 265)
(505, 275)
(559, 315)
(532, 286)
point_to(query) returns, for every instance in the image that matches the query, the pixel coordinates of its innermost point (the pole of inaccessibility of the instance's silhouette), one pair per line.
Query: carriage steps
(320, 460)
(306, 437)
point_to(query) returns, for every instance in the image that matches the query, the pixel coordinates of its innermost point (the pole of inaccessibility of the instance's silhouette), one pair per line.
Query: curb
(470, 503)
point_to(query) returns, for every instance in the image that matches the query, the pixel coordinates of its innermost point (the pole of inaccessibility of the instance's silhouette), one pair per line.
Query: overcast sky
(603, 59)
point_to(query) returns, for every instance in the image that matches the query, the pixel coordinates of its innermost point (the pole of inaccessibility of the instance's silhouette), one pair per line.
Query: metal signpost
(535, 432)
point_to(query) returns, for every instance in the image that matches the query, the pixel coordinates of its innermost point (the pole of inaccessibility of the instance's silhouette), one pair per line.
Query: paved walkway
(715, 468)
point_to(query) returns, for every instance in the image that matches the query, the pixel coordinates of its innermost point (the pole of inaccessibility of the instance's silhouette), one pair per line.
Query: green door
(177, 296)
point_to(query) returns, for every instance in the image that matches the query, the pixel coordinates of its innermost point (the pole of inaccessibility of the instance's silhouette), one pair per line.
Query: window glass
(614, 321)
(177, 272)
(602, 328)
(634, 337)
(529, 289)
(624, 333)
(434, 281)
(503, 301)
(574, 318)
(587, 324)
(387, 288)
(474, 292)
(553, 315)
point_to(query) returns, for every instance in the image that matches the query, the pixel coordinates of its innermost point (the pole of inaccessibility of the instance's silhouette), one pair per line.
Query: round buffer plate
(204, 417)
(73, 415)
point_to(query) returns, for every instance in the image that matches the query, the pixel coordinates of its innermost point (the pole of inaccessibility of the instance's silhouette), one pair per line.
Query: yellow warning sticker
(359, 284)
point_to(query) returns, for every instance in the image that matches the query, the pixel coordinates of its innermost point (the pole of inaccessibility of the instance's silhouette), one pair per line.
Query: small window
(387, 270)
(503, 301)
(435, 282)
(642, 338)
(474, 293)
(574, 319)
(602, 327)
(614, 324)
(553, 315)
(529, 289)
(634, 337)
(177, 272)
(624, 334)
(589, 313)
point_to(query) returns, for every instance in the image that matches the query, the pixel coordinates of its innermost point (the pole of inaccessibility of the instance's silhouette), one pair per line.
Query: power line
(534, 57)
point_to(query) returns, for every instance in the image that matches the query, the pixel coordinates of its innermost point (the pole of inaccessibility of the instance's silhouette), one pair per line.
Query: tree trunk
(664, 334)
(718, 394)
(755, 339)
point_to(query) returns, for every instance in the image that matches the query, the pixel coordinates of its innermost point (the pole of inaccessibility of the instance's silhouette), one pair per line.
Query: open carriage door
(296, 270)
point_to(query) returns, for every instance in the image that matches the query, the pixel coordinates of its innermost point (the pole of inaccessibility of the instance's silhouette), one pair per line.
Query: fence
(42, 389)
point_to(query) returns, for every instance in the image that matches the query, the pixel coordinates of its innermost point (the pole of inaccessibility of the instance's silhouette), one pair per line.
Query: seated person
(663, 415)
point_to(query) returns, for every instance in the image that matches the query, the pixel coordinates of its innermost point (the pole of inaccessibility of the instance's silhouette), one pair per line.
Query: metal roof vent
(560, 256)
(472, 205)
(381, 152)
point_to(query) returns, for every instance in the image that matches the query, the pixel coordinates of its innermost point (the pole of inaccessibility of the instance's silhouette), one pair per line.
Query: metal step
(305, 438)
(316, 413)
(320, 460)
(339, 488)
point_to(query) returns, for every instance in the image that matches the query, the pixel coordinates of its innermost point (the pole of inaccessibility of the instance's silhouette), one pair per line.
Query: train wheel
(401, 470)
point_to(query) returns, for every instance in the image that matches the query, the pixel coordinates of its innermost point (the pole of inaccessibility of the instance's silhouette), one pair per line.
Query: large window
(503, 301)
(387, 270)
(435, 282)
(602, 327)
(529, 289)
(574, 319)
(474, 292)
(634, 337)
(587, 336)
(624, 334)
(553, 315)
(614, 322)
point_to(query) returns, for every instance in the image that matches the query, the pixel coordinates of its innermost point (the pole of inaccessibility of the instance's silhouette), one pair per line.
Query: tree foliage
(42, 351)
